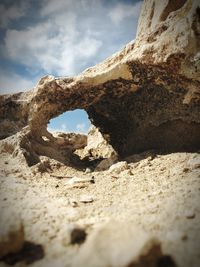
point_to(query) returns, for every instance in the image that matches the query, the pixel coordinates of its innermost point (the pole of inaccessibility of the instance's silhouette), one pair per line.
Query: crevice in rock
(144, 97)
(151, 14)
(171, 6)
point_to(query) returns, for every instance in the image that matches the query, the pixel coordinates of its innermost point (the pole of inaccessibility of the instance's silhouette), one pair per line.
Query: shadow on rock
(29, 253)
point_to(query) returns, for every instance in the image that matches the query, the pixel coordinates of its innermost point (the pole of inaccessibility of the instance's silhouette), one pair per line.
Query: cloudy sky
(61, 38)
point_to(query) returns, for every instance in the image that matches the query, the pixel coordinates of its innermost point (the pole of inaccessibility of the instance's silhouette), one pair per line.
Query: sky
(60, 38)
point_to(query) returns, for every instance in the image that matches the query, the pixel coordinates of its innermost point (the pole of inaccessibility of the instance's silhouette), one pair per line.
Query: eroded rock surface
(11, 233)
(120, 244)
(144, 97)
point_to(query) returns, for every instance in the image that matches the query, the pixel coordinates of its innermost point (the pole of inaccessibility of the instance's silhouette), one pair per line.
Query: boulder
(97, 145)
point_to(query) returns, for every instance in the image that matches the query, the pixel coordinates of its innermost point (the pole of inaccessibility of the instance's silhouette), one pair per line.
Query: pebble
(119, 167)
(88, 170)
(77, 180)
(86, 199)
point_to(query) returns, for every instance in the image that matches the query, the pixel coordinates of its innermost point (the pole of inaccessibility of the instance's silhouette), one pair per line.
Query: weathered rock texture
(118, 244)
(144, 97)
(11, 233)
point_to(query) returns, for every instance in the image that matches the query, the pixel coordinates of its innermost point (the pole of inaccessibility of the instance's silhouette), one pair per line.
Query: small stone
(77, 180)
(88, 170)
(119, 167)
(86, 199)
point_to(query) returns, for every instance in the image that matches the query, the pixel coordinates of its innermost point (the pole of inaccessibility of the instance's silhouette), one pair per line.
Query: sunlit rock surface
(144, 209)
(143, 97)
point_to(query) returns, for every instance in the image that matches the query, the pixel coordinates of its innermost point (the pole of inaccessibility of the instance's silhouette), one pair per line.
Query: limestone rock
(97, 145)
(119, 167)
(118, 244)
(194, 163)
(163, 21)
(77, 182)
(86, 199)
(70, 141)
(11, 233)
(141, 98)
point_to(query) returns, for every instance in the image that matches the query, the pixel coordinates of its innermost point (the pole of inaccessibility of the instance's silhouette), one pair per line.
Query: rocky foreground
(139, 212)
(127, 194)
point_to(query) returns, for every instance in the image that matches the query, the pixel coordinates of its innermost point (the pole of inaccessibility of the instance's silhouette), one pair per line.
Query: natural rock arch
(144, 97)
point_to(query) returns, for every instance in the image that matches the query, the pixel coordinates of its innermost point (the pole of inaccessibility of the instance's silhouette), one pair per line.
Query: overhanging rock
(146, 96)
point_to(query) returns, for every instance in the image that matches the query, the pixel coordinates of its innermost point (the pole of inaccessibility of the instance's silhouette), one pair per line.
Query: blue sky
(61, 38)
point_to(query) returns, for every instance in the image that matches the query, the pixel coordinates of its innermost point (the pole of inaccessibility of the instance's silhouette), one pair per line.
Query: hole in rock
(65, 135)
(75, 121)
(78, 236)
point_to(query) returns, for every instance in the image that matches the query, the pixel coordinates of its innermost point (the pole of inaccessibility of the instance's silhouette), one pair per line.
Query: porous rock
(118, 244)
(99, 148)
(70, 141)
(97, 145)
(144, 97)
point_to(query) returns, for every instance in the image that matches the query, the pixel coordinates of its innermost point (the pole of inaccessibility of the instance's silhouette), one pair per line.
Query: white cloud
(52, 46)
(16, 11)
(13, 83)
(81, 127)
(121, 11)
(63, 128)
(51, 6)
(68, 36)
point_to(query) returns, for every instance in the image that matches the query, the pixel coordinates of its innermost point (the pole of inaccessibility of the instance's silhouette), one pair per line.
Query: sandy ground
(160, 194)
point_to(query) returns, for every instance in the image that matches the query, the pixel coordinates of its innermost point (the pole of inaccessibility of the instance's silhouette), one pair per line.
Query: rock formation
(143, 97)
(107, 246)
(144, 209)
